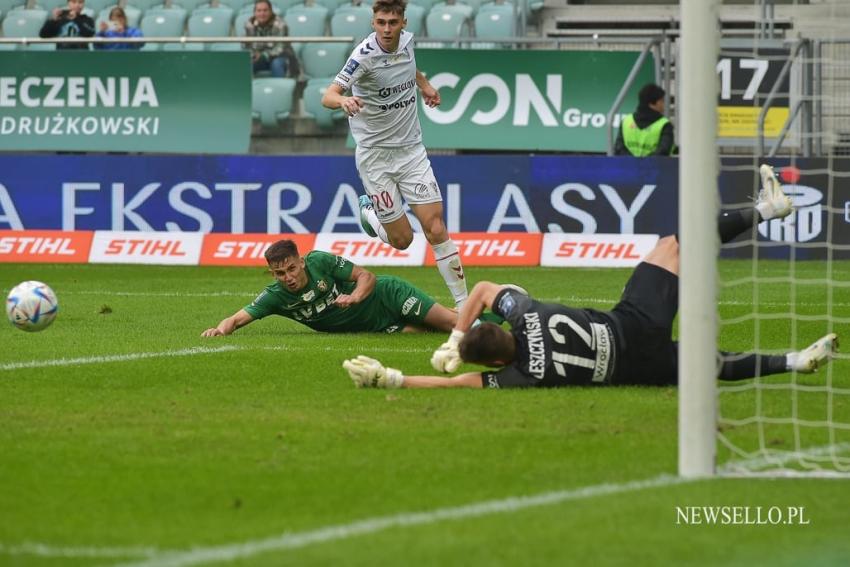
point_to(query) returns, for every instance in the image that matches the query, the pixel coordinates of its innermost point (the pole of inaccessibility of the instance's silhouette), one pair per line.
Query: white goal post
(698, 243)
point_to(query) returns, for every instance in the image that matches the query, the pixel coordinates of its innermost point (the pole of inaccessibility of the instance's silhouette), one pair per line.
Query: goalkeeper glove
(367, 372)
(447, 358)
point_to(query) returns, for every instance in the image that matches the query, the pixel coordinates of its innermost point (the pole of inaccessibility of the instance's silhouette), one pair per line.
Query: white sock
(372, 218)
(790, 360)
(448, 262)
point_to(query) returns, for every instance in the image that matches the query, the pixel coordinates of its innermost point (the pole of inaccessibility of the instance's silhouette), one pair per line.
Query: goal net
(784, 101)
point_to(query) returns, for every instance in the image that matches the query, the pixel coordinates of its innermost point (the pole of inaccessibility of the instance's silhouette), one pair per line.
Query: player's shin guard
(448, 262)
(751, 365)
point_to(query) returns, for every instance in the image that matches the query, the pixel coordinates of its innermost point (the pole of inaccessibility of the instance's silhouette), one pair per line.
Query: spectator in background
(69, 22)
(117, 27)
(277, 58)
(647, 132)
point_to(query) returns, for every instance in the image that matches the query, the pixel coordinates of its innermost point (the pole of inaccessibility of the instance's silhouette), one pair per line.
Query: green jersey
(393, 303)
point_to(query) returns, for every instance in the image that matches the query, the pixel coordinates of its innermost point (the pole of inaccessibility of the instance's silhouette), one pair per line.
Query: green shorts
(403, 301)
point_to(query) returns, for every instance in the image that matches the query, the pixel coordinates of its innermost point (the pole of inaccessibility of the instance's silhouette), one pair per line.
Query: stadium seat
(348, 22)
(306, 21)
(239, 24)
(210, 23)
(462, 9)
(323, 59)
(493, 25)
(47, 5)
(424, 3)
(349, 7)
(215, 6)
(162, 23)
(271, 100)
(331, 5)
(249, 9)
(502, 7)
(186, 5)
(143, 5)
(312, 97)
(415, 15)
(134, 15)
(23, 23)
(7, 5)
(446, 25)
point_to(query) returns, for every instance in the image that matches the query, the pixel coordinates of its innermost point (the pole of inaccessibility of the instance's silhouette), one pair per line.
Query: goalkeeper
(328, 293)
(551, 345)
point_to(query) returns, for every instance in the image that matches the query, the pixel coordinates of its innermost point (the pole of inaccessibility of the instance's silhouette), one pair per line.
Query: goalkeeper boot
(807, 360)
(772, 202)
(365, 208)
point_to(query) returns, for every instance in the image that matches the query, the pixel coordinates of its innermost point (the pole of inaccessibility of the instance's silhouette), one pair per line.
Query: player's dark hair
(649, 94)
(485, 344)
(280, 251)
(390, 6)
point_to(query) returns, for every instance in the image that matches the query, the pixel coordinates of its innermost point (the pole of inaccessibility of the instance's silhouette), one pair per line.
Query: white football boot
(772, 202)
(807, 360)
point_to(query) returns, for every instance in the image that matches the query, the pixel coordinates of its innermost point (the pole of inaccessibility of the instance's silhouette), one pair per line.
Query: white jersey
(386, 83)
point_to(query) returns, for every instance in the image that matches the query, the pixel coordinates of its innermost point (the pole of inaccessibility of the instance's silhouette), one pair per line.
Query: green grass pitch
(257, 449)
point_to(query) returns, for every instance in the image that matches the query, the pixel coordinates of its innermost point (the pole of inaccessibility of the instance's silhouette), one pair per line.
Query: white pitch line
(168, 558)
(130, 357)
(114, 357)
(42, 550)
(296, 540)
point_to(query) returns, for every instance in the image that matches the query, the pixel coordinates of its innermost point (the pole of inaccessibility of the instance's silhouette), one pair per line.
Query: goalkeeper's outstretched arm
(227, 326)
(368, 372)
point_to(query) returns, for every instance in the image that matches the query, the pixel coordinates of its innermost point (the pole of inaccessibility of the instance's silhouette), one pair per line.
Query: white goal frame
(698, 243)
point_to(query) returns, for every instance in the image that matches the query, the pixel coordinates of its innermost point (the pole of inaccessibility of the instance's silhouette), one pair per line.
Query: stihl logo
(491, 247)
(369, 249)
(133, 247)
(35, 245)
(620, 251)
(230, 249)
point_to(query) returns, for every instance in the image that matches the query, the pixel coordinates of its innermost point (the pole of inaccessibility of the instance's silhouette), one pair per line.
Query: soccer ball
(31, 306)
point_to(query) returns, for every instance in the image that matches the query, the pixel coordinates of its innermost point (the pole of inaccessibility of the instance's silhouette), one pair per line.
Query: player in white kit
(383, 79)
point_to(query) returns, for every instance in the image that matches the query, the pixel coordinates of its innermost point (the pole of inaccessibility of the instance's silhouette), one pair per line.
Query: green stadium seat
(160, 22)
(271, 100)
(239, 24)
(357, 24)
(143, 5)
(349, 7)
(463, 9)
(212, 22)
(6, 6)
(312, 97)
(493, 25)
(306, 21)
(424, 3)
(443, 24)
(324, 59)
(23, 23)
(331, 5)
(503, 7)
(415, 15)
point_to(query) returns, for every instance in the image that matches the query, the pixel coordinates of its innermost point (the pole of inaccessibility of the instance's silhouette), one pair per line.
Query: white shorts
(390, 174)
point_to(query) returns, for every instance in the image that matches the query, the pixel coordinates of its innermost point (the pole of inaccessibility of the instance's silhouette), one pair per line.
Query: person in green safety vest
(646, 132)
